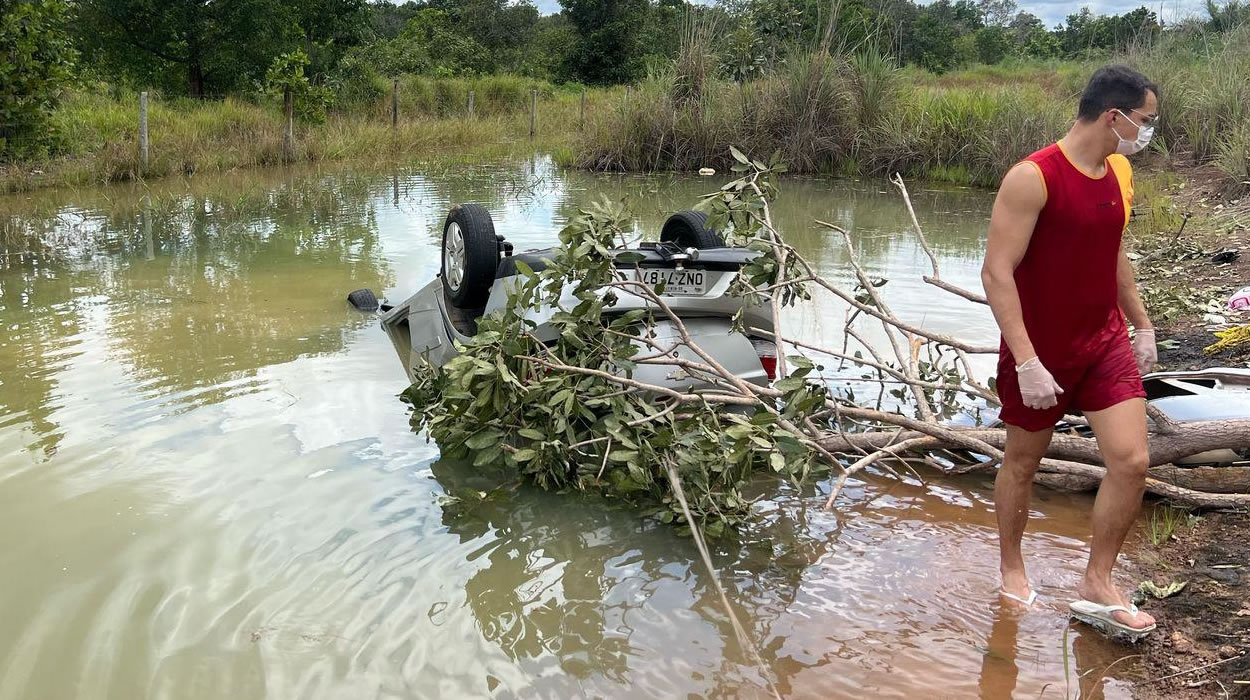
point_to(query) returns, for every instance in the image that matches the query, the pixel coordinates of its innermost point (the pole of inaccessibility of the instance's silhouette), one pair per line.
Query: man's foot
(1106, 594)
(1016, 586)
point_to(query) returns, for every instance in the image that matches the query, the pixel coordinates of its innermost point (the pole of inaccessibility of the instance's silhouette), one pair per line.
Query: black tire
(689, 229)
(469, 286)
(363, 300)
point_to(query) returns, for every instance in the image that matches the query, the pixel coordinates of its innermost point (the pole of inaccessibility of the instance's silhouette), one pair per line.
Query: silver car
(690, 260)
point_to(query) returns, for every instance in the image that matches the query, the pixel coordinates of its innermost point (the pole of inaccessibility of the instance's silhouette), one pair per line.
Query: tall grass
(827, 112)
(99, 142)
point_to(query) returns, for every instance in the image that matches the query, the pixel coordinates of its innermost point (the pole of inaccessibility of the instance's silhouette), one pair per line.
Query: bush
(37, 58)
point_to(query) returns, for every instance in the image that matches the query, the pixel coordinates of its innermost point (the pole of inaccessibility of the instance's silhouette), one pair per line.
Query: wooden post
(470, 104)
(395, 104)
(288, 136)
(143, 133)
(533, 110)
(581, 114)
(626, 95)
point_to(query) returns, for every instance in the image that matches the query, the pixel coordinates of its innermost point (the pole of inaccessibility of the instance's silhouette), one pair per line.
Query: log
(1211, 479)
(1192, 438)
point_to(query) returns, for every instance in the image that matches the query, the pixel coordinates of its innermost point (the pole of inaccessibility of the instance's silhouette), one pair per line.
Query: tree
(996, 13)
(503, 28)
(329, 28)
(208, 45)
(992, 43)
(608, 49)
(36, 65)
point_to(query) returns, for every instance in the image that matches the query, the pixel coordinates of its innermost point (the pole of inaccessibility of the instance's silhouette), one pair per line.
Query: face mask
(1127, 147)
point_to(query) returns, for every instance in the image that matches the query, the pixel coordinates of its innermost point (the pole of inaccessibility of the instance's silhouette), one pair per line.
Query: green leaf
(738, 156)
(531, 434)
(1149, 588)
(623, 456)
(630, 257)
(789, 384)
(484, 439)
(776, 461)
(524, 455)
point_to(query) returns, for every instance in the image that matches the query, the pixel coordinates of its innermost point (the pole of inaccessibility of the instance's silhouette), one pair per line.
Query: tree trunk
(195, 79)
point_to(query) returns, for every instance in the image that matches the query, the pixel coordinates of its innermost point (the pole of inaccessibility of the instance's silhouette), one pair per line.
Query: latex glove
(1038, 388)
(1145, 350)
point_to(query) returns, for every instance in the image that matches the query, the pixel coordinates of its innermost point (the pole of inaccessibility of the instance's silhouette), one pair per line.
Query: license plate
(677, 283)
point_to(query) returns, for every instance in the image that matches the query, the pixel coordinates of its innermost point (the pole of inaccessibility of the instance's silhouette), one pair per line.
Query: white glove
(1038, 388)
(1145, 350)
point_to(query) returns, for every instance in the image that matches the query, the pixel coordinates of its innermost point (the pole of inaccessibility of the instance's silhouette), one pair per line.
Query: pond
(209, 489)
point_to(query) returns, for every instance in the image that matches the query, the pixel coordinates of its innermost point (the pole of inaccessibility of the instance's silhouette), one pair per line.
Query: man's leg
(1122, 440)
(1013, 488)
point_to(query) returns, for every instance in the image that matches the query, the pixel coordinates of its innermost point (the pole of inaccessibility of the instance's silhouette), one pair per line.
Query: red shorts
(1102, 377)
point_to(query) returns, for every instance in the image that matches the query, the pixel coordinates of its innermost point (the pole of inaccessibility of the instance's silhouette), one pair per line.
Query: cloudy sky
(1051, 11)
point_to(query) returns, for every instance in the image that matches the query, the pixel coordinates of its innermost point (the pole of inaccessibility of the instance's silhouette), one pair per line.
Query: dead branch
(936, 279)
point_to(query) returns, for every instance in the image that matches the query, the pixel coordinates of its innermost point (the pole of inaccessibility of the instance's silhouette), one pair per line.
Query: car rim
(453, 256)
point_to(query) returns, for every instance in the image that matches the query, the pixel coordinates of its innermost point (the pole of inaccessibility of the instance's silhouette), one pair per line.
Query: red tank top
(1067, 278)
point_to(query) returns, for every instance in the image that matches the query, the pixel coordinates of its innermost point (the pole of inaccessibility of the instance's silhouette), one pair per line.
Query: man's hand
(1145, 350)
(1038, 388)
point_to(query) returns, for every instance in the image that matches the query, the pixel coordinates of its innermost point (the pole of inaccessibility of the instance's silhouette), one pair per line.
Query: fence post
(581, 113)
(288, 135)
(143, 133)
(470, 104)
(533, 110)
(395, 104)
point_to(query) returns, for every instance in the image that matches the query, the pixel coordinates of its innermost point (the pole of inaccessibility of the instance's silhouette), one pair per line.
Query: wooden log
(1210, 479)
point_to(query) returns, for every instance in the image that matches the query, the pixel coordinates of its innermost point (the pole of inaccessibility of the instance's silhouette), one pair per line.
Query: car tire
(363, 300)
(689, 229)
(470, 255)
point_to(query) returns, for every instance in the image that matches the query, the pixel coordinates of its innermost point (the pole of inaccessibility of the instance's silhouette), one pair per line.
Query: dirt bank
(1202, 646)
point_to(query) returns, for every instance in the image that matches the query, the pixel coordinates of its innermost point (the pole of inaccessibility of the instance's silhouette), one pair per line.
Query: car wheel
(363, 300)
(470, 255)
(689, 229)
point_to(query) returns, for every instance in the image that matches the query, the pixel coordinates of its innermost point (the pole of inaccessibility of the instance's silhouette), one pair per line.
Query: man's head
(1124, 103)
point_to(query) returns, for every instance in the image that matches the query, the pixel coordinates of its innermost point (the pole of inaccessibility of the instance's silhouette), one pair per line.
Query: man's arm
(1020, 200)
(1130, 301)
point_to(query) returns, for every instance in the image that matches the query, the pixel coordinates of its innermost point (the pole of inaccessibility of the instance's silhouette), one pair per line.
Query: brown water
(208, 488)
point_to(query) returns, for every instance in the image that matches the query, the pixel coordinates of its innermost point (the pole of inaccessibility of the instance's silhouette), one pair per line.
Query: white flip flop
(1101, 618)
(1028, 602)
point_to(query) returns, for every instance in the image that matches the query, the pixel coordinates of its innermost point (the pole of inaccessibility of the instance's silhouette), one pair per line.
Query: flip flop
(1100, 618)
(1028, 602)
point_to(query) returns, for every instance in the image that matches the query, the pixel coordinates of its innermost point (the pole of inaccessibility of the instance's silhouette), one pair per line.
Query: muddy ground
(1202, 646)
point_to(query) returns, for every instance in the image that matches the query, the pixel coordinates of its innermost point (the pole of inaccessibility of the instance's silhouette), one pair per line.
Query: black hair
(1114, 87)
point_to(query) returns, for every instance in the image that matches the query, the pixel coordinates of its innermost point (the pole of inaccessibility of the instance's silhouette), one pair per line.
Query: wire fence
(21, 142)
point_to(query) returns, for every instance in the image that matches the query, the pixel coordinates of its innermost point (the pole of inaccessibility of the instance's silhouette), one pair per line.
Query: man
(1060, 285)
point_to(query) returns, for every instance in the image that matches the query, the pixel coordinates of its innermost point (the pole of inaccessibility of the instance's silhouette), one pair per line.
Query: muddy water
(209, 490)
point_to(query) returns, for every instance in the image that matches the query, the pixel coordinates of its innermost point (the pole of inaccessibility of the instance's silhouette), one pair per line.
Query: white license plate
(677, 283)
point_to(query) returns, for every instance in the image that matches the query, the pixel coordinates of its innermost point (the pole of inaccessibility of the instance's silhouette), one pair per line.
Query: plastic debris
(1225, 257)
(1240, 299)
(1227, 339)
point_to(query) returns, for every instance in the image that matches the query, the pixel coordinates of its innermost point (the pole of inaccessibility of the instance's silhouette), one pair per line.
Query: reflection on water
(208, 488)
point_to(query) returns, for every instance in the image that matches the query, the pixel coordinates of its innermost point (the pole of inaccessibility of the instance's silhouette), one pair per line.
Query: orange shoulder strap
(1124, 174)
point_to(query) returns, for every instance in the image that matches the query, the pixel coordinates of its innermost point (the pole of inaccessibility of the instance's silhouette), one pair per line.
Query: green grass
(97, 131)
(831, 114)
(1163, 521)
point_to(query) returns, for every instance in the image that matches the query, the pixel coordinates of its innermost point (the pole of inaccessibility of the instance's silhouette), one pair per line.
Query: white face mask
(1127, 147)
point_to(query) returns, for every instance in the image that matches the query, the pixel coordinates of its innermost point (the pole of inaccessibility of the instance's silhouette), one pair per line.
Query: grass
(824, 112)
(828, 113)
(1164, 520)
(98, 137)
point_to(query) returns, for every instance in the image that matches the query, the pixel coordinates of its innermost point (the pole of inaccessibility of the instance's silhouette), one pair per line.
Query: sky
(1052, 12)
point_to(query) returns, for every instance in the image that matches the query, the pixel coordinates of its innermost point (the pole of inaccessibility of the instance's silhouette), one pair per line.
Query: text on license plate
(676, 282)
